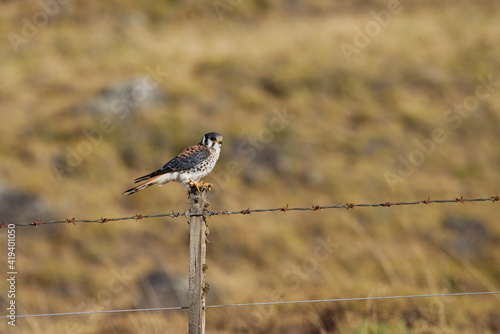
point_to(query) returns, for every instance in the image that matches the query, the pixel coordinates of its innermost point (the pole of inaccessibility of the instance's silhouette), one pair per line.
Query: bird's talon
(197, 185)
(192, 184)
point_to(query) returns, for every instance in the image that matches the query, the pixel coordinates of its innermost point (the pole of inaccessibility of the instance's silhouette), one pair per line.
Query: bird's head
(212, 139)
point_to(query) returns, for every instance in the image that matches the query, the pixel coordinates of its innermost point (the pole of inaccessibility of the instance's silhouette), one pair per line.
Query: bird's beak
(219, 141)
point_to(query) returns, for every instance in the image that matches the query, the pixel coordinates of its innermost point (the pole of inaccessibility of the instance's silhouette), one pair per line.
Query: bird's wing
(185, 160)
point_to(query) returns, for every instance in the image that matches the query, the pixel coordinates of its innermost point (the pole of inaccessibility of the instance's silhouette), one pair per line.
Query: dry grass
(351, 122)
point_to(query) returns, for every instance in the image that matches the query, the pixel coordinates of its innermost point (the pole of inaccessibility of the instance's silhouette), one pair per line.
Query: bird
(188, 167)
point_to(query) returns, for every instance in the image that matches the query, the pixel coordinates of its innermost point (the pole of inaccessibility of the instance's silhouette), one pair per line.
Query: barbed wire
(332, 300)
(250, 211)
(247, 211)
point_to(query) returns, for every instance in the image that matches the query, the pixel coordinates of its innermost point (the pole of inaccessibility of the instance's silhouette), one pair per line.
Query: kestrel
(188, 167)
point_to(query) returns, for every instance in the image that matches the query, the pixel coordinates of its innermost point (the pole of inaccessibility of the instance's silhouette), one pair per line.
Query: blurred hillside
(319, 102)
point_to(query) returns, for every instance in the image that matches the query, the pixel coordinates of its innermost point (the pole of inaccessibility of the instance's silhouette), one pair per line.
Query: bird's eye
(212, 139)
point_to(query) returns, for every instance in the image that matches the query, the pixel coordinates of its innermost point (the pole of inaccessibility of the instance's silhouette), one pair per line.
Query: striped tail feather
(142, 178)
(142, 186)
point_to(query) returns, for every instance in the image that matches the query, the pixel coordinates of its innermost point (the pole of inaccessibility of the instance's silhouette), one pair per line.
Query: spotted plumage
(188, 167)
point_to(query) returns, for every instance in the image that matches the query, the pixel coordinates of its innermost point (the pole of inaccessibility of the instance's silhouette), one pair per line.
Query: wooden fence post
(198, 286)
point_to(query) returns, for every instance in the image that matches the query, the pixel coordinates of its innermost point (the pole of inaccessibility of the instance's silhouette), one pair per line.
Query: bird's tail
(141, 186)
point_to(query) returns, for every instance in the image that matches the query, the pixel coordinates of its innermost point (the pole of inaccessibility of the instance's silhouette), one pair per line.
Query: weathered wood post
(198, 286)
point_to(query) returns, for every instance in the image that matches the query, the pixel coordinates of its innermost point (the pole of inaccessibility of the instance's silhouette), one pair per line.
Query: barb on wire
(249, 211)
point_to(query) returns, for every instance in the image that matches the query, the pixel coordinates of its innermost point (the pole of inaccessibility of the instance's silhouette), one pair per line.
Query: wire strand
(262, 303)
(357, 299)
(250, 211)
(100, 312)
